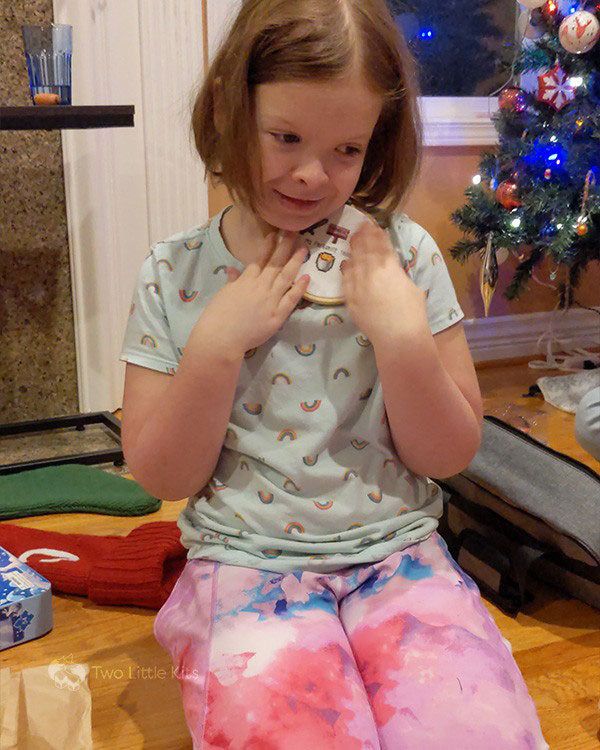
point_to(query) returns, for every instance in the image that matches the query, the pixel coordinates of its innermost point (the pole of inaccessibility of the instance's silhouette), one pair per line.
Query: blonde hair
(290, 40)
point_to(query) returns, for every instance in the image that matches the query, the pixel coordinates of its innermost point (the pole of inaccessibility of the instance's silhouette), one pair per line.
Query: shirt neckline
(214, 233)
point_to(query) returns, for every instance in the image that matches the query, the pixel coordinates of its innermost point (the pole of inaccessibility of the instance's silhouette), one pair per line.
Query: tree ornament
(506, 194)
(581, 226)
(532, 3)
(554, 88)
(488, 276)
(579, 32)
(512, 99)
(528, 26)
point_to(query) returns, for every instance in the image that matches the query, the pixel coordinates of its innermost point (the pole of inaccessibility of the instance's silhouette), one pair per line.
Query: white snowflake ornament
(554, 88)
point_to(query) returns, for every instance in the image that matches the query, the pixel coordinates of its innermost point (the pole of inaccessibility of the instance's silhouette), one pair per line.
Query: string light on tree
(549, 10)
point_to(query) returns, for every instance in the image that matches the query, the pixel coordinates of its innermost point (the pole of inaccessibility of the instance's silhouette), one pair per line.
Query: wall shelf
(66, 117)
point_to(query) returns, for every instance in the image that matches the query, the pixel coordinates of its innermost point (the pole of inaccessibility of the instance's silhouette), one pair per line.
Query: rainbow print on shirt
(412, 258)
(286, 434)
(189, 246)
(341, 371)
(307, 350)
(294, 526)
(187, 296)
(254, 409)
(375, 497)
(305, 406)
(147, 340)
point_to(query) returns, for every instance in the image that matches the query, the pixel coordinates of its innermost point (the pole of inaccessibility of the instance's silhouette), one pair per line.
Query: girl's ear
(218, 105)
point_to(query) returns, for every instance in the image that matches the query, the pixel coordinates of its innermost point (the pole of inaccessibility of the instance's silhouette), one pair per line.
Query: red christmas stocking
(139, 569)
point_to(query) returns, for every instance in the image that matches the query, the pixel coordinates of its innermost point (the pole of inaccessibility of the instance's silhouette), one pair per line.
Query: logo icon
(66, 674)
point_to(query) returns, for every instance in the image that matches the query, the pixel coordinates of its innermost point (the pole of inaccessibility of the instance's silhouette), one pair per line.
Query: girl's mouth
(297, 202)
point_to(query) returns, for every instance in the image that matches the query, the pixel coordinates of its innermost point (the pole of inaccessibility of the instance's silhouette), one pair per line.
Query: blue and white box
(25, 602)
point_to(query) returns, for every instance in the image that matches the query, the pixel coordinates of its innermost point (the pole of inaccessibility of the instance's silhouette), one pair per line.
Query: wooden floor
(136, 701)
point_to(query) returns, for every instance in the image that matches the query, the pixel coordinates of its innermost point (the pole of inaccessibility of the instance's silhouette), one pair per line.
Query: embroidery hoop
(328, 245)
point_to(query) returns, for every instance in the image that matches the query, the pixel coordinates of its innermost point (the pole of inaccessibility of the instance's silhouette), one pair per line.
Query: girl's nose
(311, 173)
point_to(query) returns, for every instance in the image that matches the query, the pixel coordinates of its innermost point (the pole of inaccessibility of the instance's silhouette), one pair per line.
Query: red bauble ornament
(506, 194)
(512, 99)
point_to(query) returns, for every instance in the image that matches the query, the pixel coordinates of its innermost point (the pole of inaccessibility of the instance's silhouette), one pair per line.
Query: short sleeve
(423, 261)
(148, 341)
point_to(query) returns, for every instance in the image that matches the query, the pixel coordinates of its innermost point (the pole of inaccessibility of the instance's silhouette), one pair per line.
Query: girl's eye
(285, 137)
(351, 151)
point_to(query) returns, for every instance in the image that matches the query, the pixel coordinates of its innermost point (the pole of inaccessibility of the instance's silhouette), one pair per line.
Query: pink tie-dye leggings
(400, 654)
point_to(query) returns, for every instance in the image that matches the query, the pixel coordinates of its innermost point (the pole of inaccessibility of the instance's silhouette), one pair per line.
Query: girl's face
(313, 138)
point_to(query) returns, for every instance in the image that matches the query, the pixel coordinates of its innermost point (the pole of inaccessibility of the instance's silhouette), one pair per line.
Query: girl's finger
(294, 294)
(289, 273)
(284, 242)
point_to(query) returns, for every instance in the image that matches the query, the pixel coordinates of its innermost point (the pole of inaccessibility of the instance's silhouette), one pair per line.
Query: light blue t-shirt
(308, 477)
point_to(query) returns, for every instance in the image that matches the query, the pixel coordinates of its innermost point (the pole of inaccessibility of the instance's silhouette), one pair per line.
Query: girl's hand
(255, 303)
(385, 303)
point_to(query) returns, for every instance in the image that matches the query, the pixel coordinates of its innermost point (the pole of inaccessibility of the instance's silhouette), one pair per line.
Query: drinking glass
(48, 50)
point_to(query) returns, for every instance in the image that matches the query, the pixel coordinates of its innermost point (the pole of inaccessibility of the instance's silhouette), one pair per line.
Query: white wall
(126, 187)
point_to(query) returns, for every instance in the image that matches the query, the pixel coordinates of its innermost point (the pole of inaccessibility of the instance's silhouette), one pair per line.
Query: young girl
(319, 607)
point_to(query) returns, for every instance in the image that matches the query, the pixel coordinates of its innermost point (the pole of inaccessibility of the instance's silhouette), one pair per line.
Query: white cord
(570, 360)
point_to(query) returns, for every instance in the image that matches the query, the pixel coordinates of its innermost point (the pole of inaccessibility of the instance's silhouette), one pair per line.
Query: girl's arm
(174, 425)
(432, 400)
(430, 389)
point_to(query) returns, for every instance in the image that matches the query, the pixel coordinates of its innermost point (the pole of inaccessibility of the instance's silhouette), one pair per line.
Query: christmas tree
(537, 194)
(447, 38)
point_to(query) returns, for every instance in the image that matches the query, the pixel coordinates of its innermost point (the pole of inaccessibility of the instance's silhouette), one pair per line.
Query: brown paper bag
(46, 707)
